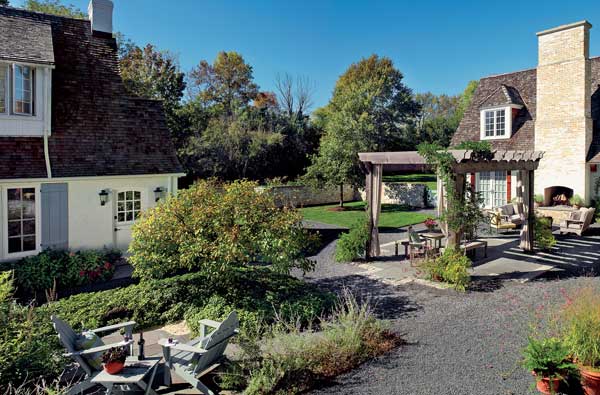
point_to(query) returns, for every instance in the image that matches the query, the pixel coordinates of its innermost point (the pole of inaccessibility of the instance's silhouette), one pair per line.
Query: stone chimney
(101, 15)
(563, 124)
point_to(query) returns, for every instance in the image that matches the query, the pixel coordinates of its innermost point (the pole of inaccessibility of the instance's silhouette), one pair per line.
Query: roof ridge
(512, 72)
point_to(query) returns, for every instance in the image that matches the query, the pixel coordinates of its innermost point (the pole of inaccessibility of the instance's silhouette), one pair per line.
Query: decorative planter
(114, 367)
(544, 387)
(576, 206)
(590, 381)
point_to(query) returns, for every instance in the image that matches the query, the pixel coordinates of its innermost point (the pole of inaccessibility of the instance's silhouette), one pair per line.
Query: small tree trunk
(341, 195)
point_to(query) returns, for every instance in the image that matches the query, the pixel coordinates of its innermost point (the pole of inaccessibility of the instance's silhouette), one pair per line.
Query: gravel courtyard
(456, 343)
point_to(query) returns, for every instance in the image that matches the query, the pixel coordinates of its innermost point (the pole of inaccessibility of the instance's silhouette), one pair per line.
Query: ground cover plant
(212, 227)
(392, 215)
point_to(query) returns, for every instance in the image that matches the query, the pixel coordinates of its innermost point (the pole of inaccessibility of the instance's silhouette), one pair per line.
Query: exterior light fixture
(159, 193)
(103, 197)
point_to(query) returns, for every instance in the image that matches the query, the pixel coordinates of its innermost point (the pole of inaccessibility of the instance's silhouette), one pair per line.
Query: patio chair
(88, 358)
(578, 222)
(507, 217)
(417, 246)
(199, 357)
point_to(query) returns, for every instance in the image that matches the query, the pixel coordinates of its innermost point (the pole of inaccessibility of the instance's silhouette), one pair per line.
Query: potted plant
(114, 359)
(548, 360)
(430, 224)
(537, 200)
(580, 325)
(576, 201)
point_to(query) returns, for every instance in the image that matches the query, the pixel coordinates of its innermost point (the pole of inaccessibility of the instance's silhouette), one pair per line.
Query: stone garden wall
(299, 195)
(411, 195)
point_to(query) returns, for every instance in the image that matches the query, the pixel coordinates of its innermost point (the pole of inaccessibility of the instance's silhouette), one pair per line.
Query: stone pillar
(563, 125)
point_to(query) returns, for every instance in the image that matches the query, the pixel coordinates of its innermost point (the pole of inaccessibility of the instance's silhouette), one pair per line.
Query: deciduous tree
(55, 7)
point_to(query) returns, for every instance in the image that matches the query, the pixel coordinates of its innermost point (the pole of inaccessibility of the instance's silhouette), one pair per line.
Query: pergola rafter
(466, 161)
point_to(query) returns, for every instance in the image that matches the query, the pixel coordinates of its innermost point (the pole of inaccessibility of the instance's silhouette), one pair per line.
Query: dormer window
(23, 77)
(495, 123)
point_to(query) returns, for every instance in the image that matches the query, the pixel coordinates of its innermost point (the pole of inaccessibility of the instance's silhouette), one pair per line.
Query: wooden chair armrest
(181, 347)
(210, 323)
(114, 327)
(573, 221)
(99, 348)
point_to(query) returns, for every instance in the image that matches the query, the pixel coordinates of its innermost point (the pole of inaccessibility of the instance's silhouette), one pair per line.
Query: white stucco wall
(91, 225)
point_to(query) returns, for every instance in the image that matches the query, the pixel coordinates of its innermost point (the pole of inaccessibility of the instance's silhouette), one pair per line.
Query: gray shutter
(55, 216)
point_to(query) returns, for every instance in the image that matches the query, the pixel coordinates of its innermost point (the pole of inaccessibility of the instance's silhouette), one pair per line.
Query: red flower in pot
(114, 359)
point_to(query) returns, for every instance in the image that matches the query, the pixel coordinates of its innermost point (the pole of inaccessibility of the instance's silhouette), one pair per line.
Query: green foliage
(25, 352)
(352, 245)
(579, 321)
(548, 358)
(69, 269)
(368, 111)
(544, 239)
(466, 98)
(214, 227)
(451, 267)
(576, 200)
(55, 7)
(292, 362)
(539, 199)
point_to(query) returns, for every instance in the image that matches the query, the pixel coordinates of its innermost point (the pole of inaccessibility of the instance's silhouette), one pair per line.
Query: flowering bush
(213, 227)
(430, 223)
(67, 268)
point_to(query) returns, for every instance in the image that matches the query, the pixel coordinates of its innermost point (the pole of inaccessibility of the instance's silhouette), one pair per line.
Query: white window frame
(125, 190)
(38, 219)
(32, 73)
(499, 196)
(508, 118)
(6, 90)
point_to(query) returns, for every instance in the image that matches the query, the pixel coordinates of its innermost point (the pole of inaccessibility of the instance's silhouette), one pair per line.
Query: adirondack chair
(68, 337)
(199, 357)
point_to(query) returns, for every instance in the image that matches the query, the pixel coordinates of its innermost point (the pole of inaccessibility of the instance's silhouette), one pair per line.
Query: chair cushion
(516, 219)
(89, 340)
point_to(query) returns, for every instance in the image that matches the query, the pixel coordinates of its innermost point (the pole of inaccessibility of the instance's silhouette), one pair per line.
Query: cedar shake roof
(97, 129)
(26, 41)
(520, 88)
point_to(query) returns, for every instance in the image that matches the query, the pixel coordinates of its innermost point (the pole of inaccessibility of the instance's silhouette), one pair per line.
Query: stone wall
(563, 126)
(412, 195)
(300, 195)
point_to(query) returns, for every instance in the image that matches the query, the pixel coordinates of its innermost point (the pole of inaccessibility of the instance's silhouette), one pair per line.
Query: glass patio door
(492, 186)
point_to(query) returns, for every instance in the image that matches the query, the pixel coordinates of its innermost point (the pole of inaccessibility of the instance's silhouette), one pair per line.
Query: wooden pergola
(466, 162)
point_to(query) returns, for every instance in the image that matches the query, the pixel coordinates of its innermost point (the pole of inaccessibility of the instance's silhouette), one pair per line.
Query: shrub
(451, 267)
(580, 326)
(25, 352)
(212, 227)
(69, 269)
(293, 361)
(576, 200)
(548, 357)
(352, 245)
(539, 199)
(544, 239)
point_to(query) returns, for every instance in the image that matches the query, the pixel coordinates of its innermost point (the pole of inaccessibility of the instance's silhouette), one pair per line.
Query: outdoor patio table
(133, 374)
(435, 239)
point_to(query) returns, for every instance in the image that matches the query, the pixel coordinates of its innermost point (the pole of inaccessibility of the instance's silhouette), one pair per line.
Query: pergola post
(441, 203)
(527, 236)
(454, 235)
(374, 190)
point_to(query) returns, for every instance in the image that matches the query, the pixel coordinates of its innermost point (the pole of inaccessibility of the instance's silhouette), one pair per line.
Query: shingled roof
(97, 129)
(26, 41)
(520, 88)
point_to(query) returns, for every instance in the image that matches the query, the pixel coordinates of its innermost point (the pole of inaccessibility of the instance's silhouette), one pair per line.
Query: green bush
(292, 361)
(25, 352)
(213, 227)
(351, 245)
(70, 269)
(576, 200)
(548, 357)
(451, 267)
(544, 239)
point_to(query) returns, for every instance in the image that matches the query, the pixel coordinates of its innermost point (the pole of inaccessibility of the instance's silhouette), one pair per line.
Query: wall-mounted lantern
(103, 197)
(159, 193)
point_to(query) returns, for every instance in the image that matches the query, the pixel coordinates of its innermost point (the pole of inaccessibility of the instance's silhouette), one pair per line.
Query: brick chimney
(563, 125)
(101, 15)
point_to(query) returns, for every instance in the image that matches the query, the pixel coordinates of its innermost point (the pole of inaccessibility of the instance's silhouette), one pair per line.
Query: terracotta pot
(590, 381)
(114, 367)
(543, 385)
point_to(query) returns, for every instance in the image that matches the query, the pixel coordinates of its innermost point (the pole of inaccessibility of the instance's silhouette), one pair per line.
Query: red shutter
(473, 180)
(508, 187)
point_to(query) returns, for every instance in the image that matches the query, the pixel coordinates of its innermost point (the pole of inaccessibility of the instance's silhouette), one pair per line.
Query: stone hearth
(558, 213)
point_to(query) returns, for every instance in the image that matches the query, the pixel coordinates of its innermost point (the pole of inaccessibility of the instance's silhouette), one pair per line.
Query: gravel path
(456, 343)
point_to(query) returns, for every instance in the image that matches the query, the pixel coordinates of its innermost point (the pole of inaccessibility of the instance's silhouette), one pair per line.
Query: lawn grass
(392, 215)
(428, 179)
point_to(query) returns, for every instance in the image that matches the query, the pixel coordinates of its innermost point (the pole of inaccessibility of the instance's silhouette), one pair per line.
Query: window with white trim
(493, 188)
(21, 218)
(3, 88)
(129, 206)
(494, 123)
(23, 89)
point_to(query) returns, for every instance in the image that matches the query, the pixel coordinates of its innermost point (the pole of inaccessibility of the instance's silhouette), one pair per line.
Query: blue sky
(438, 45)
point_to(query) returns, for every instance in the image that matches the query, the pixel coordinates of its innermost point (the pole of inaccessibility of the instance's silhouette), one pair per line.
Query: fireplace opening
(557, 196)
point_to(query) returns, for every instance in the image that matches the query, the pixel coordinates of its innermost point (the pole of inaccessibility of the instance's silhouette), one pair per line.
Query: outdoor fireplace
(557, 196)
